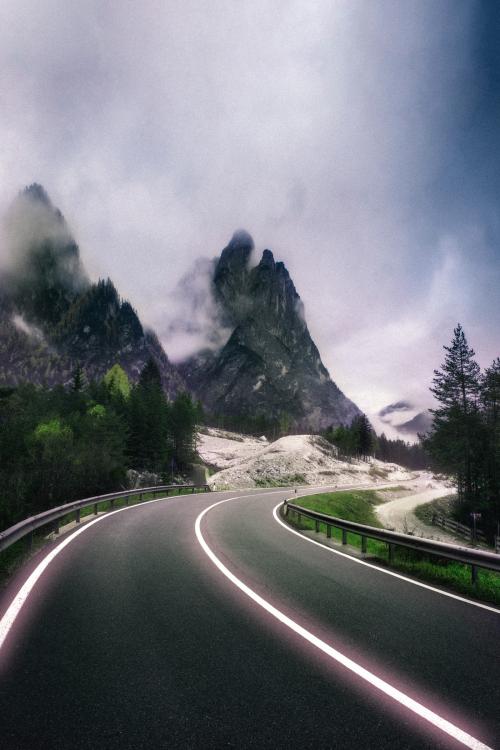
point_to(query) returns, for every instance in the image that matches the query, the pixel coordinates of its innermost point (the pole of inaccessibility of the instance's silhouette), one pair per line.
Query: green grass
(353, 505)
(358, 506)
(18, 553)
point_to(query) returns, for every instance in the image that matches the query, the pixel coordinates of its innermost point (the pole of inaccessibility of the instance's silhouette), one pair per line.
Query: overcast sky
(359, 140)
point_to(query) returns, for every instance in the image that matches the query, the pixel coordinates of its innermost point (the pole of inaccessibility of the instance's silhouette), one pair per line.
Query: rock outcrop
(52, 318)
(270, 366)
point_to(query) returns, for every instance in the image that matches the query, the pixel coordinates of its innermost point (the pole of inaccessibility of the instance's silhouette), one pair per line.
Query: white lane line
(14, 608)
(397, 695)
(380, 569)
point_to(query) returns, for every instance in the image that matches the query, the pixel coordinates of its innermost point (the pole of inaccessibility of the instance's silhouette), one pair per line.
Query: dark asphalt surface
(133, 639)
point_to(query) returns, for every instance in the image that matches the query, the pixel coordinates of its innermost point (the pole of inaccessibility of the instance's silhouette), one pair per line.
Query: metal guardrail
(52, 516)
(474, 557)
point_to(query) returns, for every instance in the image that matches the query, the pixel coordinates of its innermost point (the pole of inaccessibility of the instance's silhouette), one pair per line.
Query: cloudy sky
(358, 139)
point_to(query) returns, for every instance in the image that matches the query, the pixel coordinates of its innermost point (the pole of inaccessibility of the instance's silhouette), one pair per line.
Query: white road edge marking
(380, 569)
(15, 606)
(417, 708)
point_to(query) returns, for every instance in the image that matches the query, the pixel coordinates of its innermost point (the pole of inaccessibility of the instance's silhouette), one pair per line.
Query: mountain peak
(52, 317)
(37, 192)
(267, 260)
(269, 367)
(241, 239)
(233, 262)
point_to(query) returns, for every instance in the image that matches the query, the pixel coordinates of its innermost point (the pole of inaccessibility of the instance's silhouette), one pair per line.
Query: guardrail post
(77, 515)
(56, 526)
(192, 490)
(30, 541)
(95, 509)
(286, 508)
(140, 497)
(363, 544)
(127, 498)
(344, 536)
(112, 503)
(473, 571)
(299, 518)
(390, 552)
(316, 526)
(328, 531)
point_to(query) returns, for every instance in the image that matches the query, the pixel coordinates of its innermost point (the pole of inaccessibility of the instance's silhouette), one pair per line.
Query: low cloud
(30, 225)
(193, 321)
(356, 140)
(30, 330)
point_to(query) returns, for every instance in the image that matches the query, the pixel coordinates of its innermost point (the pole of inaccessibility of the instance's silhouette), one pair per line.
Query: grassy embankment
(14, 556)
(358, 506)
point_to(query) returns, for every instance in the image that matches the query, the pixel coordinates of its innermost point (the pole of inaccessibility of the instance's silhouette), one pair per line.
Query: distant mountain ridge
(53, 318)
(265, 365)
(406, 419)
(270, 365)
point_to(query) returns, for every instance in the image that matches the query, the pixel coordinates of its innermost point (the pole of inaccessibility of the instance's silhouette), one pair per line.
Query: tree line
(359, 440)
(464, 440)
(64, 443)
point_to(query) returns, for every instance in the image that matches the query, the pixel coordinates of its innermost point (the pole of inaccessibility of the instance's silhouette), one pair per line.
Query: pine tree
(150, 374)
(148, 422)
(183, 416)
(454, 440)
(79, 380)
(490, 400)
(365, 436)
(117, 381)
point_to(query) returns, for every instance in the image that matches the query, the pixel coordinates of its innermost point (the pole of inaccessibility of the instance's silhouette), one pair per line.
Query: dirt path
(398, 514)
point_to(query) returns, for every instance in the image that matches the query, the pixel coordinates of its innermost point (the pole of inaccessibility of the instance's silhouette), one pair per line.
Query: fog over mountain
(53, 319)
(268, 367)
(254, 362)
(358, 140)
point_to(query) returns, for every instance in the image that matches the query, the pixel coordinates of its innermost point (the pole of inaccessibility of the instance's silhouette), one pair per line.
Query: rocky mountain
(269, 367)
(406, 419)
(52, 318)
(420, 424)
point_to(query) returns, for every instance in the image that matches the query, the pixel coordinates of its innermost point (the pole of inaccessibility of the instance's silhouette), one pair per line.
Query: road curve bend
(135, 636)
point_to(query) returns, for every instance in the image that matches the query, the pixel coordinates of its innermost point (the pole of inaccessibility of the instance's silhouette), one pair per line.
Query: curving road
(133, 638)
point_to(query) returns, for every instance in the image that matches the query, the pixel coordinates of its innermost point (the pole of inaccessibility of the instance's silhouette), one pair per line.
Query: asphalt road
(132, 638)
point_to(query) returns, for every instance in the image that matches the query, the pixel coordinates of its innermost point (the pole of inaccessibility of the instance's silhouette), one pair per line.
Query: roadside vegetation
(64, 443)
(358, 506)
(358, 440)
(442, 506)
(464, 440)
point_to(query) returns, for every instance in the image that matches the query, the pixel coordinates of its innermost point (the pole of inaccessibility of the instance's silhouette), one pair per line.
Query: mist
(358, 141)
(193, 322)
(31, 227)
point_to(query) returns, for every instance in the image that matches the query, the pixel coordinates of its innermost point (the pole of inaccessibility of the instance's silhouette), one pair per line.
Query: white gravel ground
(244, 461)
(292, 460)
(398, 514)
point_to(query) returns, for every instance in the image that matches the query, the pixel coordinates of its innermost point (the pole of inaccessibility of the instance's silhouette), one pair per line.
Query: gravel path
(398, 514)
